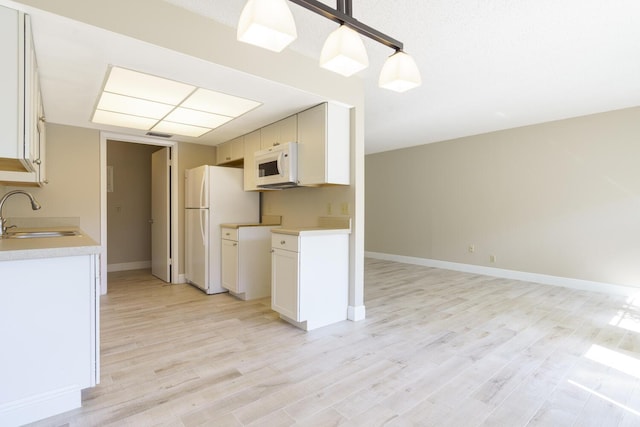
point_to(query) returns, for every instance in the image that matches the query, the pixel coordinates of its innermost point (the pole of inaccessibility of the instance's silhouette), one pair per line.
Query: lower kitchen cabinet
(49, 331)
(245, 262)
(310, 277)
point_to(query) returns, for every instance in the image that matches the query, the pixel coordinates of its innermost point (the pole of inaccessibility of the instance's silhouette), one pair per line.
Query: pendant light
(399, 73)
(343, 52)
(268, 24)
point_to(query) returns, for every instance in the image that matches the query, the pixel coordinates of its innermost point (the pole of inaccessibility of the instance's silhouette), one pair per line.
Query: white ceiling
(486, 65)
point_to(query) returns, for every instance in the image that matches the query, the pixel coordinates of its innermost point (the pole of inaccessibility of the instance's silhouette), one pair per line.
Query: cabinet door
(269, 135)
(312, 147)
(285, 130)
(237, 148)
(42, 143)
(229, 266)
(289, 129)
(251, 145)
(10, 71)
(48, 321)
(223, 153)
(323, 145)
(31, 99)
(21, 140)
(230, 151)
(284, 283)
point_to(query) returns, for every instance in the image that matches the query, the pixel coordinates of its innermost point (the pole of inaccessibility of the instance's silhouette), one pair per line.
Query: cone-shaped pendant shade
(344, 52)
(399, 73)
(268, 24)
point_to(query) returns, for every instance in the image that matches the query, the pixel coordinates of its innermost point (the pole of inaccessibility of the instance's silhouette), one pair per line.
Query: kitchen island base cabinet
(245, 263)
(310, 278)
(49, 334)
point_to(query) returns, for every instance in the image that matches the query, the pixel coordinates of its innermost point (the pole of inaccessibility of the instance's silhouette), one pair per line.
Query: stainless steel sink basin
(38, 234)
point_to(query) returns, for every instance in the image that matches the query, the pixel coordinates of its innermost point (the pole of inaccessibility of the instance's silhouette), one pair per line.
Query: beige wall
(189, 156)
(129, 205)
(73, 171)
(560, 198)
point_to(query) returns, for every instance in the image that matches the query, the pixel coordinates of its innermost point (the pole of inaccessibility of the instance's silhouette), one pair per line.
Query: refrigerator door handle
(203, 213)
(202, 188)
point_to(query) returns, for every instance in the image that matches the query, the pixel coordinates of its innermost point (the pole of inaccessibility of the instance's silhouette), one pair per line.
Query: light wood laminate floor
(438, 348)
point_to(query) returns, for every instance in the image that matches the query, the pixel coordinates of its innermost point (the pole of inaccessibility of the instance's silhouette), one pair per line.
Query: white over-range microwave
(277, 167)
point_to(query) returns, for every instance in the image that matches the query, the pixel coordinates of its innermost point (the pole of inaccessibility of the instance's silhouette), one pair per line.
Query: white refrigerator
(213, 195)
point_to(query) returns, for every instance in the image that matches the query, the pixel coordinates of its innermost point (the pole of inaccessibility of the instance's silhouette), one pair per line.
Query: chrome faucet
(34, 205)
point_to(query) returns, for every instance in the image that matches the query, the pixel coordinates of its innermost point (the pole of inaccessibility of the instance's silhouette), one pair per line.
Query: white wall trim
(40, 406)
(565, 282)
(356, 313)
(124, 266)
(181, 279)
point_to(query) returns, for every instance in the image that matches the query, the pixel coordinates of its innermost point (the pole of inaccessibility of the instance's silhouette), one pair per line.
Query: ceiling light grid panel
(141, 101)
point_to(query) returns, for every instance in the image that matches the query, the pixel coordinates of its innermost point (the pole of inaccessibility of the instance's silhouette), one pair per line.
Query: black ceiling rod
(346, 8)
(342, 15)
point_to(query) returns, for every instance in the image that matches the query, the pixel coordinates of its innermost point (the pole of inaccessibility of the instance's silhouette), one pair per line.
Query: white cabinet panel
(49, 311)
(22, 137)
(280, 132)
(246, 261)
(324, 145)
(11, 77)
(284, 290)
(251, 145)
(229, 265)
(310, 278)
(230, 151)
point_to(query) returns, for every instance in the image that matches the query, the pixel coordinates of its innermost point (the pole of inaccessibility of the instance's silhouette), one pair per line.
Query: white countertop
(267, 221)
(326, 225)
(247, 224)
(47, 247)
(302, 231)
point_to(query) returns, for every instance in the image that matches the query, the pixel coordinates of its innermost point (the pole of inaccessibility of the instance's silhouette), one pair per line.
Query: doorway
(127, 224)
(129, 211)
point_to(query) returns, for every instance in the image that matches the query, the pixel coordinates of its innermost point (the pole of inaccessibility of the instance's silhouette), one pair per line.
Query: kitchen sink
(38, 234)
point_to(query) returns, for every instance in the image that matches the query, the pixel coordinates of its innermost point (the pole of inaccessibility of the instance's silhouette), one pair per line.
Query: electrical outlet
(471, 249)
(492, 258)
(344, 208)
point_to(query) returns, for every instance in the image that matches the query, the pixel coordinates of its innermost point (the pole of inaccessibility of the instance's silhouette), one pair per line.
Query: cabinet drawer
(229, 233)
(284, 241)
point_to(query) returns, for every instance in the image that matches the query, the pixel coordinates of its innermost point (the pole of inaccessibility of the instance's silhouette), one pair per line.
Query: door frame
(173, 194)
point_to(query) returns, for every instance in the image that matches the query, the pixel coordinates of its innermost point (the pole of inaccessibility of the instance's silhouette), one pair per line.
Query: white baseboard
(356, 313)
(124, 266)
(40, 406)
(566, 282)
(181, 279)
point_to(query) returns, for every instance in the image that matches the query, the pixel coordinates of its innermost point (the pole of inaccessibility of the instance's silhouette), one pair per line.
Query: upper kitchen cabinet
(230, 152)
(251, 145)
(21, 112)
(285, 130)
(324, 145)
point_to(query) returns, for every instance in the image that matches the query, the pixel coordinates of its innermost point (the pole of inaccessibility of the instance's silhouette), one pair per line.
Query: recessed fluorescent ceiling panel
(142, 101)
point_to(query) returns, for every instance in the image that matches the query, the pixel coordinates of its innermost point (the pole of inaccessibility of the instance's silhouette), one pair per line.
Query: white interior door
(160, 215)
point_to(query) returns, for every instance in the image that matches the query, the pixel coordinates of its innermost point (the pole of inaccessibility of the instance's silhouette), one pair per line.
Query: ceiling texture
(485, 65)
